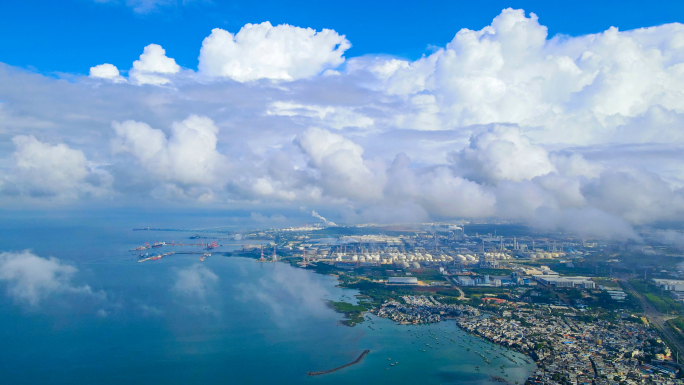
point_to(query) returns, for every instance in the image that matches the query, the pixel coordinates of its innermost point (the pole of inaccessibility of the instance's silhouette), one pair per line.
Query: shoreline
(457, 320)
(529, 359)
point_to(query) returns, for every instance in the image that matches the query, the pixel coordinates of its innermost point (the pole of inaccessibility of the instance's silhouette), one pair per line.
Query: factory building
(617, 295)
(669, 284)
(569, 282)
(464, 280)
(402, 281)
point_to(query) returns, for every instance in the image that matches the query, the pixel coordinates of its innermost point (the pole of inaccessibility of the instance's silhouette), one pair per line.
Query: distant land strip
(190, 230)
(365, 352)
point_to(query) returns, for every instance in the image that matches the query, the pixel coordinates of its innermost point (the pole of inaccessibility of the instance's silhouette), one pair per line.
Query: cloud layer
(502, 122)
(31, 279)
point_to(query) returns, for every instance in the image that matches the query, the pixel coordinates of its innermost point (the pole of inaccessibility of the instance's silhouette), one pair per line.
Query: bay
(225, 320)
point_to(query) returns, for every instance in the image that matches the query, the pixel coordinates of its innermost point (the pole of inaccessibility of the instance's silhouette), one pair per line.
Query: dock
(203, 255)
(155, 257)
(365, 352)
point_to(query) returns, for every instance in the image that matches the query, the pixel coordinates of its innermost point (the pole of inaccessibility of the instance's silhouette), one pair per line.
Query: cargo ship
(139, 248)
(159, 244)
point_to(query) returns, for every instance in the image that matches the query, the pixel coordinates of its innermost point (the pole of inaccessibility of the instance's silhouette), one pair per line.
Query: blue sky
(72, 35)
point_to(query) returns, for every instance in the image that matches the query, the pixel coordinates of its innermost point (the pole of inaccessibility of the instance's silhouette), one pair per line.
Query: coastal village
(565, 349)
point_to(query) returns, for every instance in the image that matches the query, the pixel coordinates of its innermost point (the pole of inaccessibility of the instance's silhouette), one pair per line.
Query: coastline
(367, 302)
(372, 305)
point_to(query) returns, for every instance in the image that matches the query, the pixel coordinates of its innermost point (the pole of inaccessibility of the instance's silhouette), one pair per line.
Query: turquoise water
(225, 320)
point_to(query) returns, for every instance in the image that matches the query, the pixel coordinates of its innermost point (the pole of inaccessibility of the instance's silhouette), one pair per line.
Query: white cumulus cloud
(503, 152)
(153, 67)
(52, 171)
(343, 171)
(106, 71)
(579, 89)
(262, 51)
(188, 156)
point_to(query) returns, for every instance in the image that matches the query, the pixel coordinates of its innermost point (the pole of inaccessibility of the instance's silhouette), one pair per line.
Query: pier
(365, 352)
(159, 256)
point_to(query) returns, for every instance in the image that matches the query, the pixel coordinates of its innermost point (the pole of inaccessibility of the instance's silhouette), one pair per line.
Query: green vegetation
(639, 285)
(480, 291)
(429, 276)
(449, 300)
(322, 268)
(607, 283)
(379, 292)
(538, 262)
(354, 313)
(293, 261)
(677, 324)
(664, 305)
(564, 269)
(348, 308)
(448, 297)
(658, 297)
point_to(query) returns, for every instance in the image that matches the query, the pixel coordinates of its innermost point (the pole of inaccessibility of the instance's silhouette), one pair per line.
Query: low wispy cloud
(196, 282)
(288, 294)
(143, 7)
(31, 279)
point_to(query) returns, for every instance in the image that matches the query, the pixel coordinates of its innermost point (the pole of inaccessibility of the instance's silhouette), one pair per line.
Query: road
(461, 295)
(656, 318)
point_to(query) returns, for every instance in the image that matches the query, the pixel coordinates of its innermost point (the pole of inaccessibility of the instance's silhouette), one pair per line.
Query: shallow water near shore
(225, 320)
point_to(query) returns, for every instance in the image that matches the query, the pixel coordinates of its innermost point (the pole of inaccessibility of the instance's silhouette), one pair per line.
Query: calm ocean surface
(225, 320)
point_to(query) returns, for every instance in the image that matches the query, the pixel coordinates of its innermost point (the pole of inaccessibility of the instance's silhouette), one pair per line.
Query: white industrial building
(402, 281)
(556, 281)
(617, 295)
(669, 284)
(464, 280)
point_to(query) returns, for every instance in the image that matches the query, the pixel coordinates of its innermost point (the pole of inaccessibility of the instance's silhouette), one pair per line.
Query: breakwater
(365, 352)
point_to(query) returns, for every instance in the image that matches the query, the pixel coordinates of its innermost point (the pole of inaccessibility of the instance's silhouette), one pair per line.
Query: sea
(106, 318)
